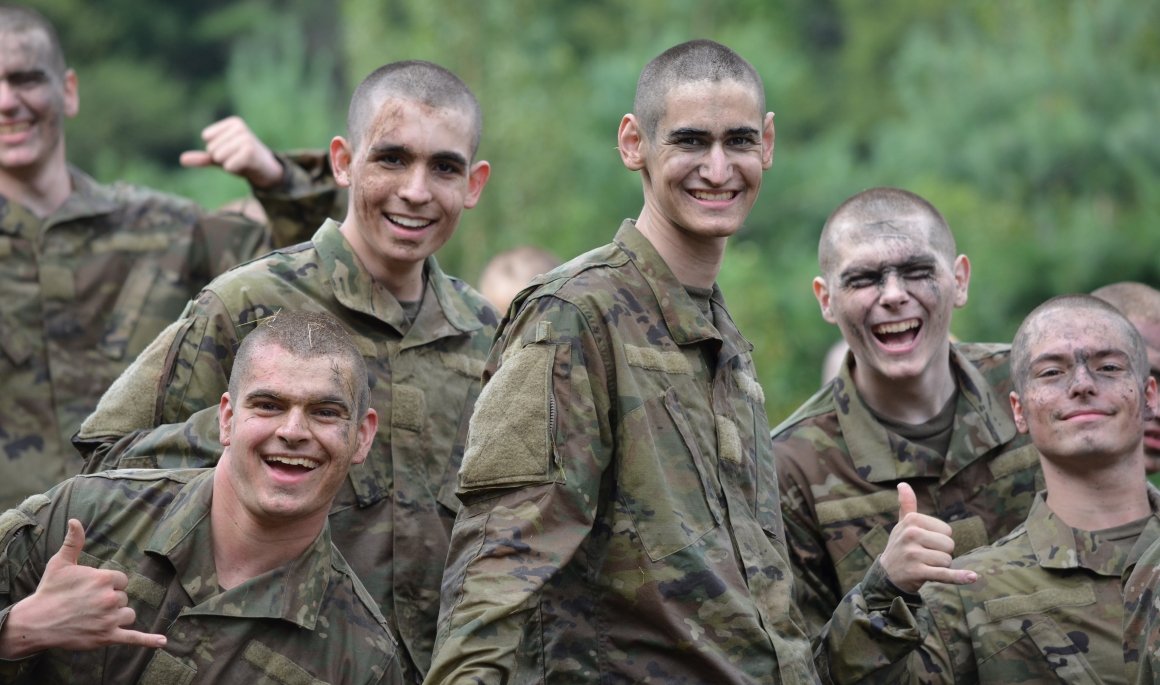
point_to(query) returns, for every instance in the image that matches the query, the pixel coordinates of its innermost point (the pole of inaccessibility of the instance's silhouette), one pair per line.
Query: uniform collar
(1059, 546)
(981, 425)
(443, 312)
(293, 592)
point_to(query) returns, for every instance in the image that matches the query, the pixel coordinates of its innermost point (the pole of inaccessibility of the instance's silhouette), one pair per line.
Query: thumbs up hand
(919, 549)
(74, 608)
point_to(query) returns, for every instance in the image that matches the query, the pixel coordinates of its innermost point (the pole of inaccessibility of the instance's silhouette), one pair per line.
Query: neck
(403, 281)
(907, 400)
(244, 547)
(42, 189)
(1094, 493)
(694, 260)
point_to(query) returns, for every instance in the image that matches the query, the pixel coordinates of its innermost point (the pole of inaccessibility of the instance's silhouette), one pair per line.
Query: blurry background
(1032, 125)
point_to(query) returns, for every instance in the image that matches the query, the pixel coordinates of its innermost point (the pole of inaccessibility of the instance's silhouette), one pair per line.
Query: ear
(767, 136)
(72, 96)
(341, 155)
(962, 271)
(630, 143)
(476, 180)
(1151, 399)
(1017, 411)
(367, 428)
(822, 294)
(225, 419)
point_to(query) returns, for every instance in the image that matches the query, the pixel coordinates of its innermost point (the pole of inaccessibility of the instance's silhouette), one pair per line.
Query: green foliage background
(1030, 124)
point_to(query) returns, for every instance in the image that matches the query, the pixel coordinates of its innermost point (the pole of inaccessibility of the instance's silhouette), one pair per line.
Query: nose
(292, 430)
(415, 189)
(893, 291)
(1082, 382)
(716, 169)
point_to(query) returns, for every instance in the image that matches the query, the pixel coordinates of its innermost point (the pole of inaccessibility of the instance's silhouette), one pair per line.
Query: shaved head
(1077, 306)
(1136, 301)
(696, 60)
(882, 207)
(423, 82)
(17, 19)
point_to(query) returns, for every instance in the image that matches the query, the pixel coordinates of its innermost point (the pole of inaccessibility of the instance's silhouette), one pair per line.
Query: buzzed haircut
(881, 206)
(1021, 346)
(1137, 301)
(417, 80)
(307, 335)
(18, 19)
(696, 60)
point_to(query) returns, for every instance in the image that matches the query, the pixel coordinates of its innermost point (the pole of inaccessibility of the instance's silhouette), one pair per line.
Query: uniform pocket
(128, 310)
(661, 477)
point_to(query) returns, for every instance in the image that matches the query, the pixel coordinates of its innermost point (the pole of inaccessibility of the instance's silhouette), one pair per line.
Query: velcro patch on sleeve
(665, 361)
(852, 508)
(509, 440)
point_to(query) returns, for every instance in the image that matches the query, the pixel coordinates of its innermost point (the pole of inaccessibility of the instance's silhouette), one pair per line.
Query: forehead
(20, 51)
(711, 106)
(275, 369)
(418, 127)
(1069, 330)
(881, 243)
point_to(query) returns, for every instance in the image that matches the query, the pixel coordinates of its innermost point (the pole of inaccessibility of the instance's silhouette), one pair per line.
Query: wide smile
(17, 129)
(897, 336)
(288, 467)
(409, 223)
(712, 196)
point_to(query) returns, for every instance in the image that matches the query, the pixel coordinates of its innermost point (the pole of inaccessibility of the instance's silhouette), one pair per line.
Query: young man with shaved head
(409, 160)
(225, 575)
(1050, 599)
(1141, 304)
(907, 405)
(620, 517)
(89, 273)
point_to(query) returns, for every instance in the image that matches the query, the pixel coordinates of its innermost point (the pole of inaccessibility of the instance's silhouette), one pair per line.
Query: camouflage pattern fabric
(306, 197)
(310, 621)
(1048, 607)
(838, 468)
(1142, 623)
(393, 518)
(84, 291)
(620, 519)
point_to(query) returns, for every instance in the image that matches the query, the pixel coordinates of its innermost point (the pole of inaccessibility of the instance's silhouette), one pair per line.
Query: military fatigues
(393, 518)
(1142, 624)
(309, 621)
(838, 467)
(84, 291)
(620, 518)
(1047, 607)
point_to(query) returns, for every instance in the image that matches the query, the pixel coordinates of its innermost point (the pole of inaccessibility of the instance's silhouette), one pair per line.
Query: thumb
(196, 158)
(907, 502)
(74, 542)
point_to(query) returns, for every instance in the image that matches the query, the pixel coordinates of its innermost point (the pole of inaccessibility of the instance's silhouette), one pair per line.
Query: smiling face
(702, 168)
(411, 177)
(34, 100)
(1082, 393)
(291, 434)
(891, 290)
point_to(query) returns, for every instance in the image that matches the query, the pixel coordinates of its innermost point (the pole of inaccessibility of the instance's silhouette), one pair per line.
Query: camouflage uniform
(837, 467)
(1048, 607)
(620, 518)
(308, 621)
(393, 518)
(1142, 625)
(84, 291)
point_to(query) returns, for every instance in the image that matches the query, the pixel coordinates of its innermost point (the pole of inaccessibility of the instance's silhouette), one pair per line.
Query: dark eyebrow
(742, 131)
(686, 132)
(450, 156)
(909, 262)
(261, 394)
(382, 149)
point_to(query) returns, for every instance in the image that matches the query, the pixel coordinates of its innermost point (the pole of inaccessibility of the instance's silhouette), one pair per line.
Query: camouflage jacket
(620, 518)
(1142, 623)
(837, 467)
(84, 291)
(393, 518)
(309, 621)
(1048, 607)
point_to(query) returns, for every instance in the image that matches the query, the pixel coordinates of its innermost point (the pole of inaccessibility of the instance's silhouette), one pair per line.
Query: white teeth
(898, 327)
(409, 222)
(293, 461)
(19, 127)
(712, 197)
